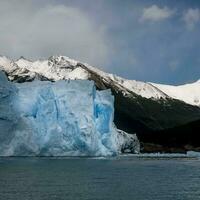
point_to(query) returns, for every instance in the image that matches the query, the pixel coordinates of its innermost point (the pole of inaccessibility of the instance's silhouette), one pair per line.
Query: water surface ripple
(121, 178)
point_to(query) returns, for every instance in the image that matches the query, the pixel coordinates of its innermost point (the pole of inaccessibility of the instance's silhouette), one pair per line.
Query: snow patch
(189, 93)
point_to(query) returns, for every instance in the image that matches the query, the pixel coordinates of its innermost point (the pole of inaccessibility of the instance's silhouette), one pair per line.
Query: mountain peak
(22, 58)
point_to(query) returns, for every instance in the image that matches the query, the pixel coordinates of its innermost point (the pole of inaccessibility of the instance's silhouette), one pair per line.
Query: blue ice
(63, 118)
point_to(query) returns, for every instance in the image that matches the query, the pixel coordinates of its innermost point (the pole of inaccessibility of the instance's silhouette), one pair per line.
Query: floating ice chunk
(193, 154)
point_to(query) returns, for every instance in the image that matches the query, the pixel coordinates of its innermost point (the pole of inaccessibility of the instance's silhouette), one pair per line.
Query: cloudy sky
(149, 40)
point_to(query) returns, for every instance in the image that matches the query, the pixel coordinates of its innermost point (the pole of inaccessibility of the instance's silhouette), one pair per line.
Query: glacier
(63, 118)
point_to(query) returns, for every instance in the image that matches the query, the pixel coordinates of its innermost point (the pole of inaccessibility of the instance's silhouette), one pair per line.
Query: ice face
(56, 119)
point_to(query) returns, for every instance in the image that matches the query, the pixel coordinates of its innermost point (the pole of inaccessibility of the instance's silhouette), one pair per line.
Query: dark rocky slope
(165, 125)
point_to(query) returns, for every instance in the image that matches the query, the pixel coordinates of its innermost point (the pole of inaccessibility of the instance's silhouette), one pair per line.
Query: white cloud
(155, 14)
(32, 31)
(191, 18)
(174, 65)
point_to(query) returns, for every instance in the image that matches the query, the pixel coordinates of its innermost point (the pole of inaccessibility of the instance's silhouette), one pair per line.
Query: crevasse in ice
(64, 118)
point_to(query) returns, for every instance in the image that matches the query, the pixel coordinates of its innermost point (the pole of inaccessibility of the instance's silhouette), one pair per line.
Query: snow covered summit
(62, 67)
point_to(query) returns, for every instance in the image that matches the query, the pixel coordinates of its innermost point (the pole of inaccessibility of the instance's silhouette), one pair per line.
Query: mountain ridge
(62, 67)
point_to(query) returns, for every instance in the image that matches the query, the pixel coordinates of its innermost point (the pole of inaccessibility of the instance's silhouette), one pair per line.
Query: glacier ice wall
(65, 118)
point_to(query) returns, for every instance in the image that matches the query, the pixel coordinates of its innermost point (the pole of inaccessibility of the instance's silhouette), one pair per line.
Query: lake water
(121, 178)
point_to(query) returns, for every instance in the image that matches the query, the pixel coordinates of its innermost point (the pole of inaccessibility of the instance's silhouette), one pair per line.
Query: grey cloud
(35, 32)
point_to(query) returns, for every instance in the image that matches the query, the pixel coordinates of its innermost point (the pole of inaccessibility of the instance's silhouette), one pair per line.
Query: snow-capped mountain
(61, 67)
(189, 93)
(157, 113)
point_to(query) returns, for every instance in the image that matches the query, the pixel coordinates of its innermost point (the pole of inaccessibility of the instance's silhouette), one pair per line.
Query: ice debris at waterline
(64, 118)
